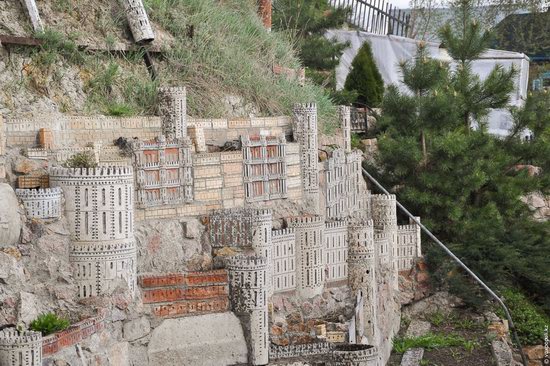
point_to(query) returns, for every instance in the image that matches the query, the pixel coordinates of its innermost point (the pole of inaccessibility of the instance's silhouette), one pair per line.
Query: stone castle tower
(99, 208)
(138, 21)
(309, 254)
(248, 295)
(384, 217)
(20, 348)
(305, 119)
(44, 203)
(362, 273)
(172, 110)
(345, 124)
(262, 243)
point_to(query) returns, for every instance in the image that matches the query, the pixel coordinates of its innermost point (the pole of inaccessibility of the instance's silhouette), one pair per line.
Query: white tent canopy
(388, 51)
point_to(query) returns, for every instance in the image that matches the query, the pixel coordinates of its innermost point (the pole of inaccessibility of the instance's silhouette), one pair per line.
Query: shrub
(83, 159)
(365, 79)
(529, 320)
(49, 323)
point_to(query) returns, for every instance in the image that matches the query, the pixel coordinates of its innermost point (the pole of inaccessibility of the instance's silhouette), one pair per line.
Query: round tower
(248, 296)
(384, 216)
(310, 276)
(20, 348)
(138, 21)
(354, 355)
(43, 203)
(362, 273)
(172, 110)
(99, 208)
(345, 124)
(261, 241)
(305, 132)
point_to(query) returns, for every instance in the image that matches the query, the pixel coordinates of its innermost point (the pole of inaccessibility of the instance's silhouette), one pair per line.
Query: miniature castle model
(138, 21)
(172, 109)
(354, 355)
(305, 133)
(20, 348)
(164, 171)
(264, 167)
(248, 282)
(41, 203)
(99, 207)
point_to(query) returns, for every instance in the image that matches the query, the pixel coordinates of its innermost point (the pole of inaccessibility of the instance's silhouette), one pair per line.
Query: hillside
(221, 52)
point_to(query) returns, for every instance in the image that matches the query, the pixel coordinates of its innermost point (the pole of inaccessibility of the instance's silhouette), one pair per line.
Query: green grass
(231, 54)
(432, 341)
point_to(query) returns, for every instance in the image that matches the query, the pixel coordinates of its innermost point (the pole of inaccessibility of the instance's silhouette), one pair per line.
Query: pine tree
(365, 79)
(465, 183)
(465, 41)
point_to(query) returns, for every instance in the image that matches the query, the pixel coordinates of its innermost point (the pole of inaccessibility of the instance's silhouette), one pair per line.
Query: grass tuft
(432, 341)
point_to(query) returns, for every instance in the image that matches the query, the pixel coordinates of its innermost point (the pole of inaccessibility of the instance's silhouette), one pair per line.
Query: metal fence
(375, 16)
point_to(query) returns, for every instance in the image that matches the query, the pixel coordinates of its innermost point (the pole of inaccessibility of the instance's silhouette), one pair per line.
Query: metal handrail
(459, 262)
(376, 16)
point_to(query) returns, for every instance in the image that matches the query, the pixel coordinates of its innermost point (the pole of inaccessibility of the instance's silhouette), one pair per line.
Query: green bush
(84, 159)
(529, 320)
(49, 323)
(365, 79)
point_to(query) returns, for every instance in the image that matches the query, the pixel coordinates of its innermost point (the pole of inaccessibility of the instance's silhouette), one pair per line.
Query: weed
(470, 345)
(119, 110)
(437, 318)
(49, 323)
(55, 43)
(84, 159)
(355, 141)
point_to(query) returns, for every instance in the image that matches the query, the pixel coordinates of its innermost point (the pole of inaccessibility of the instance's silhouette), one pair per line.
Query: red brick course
(179, 294)
(75, 333)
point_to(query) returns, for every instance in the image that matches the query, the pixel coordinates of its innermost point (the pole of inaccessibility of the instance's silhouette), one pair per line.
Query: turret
(172, 110)
(362, 274)
(138, 21)
(99, 206)
(310, 277)
(305, 132)
(248, 296)
(20, 348)
(44, 203)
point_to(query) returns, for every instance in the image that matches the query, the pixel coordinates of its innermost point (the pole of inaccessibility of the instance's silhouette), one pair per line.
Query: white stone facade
(345, 190)
(20, 348)
(345, 124)
(336, 251)
(305, 132)
(44, 203)
(407, 245)
(172, 109)
(310, 268)
(384, 217)
(248, 283)
(264, 167)
(262, 242)
(284, 260)
(138, 21)
(99, 205)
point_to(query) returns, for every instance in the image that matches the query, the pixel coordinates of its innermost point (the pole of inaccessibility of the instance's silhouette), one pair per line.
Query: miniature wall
(76, 130)
(184, 294)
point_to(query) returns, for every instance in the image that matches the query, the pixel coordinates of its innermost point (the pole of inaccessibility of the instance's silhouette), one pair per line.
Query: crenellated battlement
(304, 221)
(276, 234)
(310, 107)
(353, 354)
(246, 263)
(98, 172)
(11, 336)
(20, 348)
(40, 193)
(335, 225)
(300, 350)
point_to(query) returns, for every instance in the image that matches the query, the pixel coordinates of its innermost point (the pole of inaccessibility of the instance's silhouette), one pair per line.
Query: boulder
(212, 339)
(136, 328)
(10, 220)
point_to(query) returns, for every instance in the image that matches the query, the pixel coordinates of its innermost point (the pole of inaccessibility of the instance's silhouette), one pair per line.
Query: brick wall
(181, 294)
(73, 335)
(79, 130)
(218, 183)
